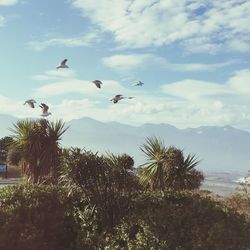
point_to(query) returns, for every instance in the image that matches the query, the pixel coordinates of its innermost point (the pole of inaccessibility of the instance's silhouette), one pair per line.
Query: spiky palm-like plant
(166, 167)
(50, 155)
(181, 172)
(121, 171)
(37, 144)
(152, 172)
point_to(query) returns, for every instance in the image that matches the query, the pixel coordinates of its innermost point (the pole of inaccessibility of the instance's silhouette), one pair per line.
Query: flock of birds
(98, 83)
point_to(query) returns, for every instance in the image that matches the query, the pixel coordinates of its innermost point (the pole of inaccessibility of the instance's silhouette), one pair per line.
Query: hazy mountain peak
(220, 148)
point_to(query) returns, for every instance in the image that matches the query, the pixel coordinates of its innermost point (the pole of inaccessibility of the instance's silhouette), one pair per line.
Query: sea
(220, 183)
(224, 183)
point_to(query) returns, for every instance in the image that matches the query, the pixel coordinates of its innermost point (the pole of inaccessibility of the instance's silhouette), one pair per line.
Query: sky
(193, 57)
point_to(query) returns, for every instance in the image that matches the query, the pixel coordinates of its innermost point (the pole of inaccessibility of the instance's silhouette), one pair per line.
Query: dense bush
(166, 167)
(44, 217)
(36, 217)
(36, 149)
(106, 181)
(240, 202)
(14, 172)
(180, 221)
(4, 147)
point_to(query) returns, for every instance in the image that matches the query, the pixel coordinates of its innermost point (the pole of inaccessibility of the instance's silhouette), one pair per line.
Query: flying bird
(138, 83)
(30, 102)
(45, 109)
(63, 64)
(97, 83)
(117, 98)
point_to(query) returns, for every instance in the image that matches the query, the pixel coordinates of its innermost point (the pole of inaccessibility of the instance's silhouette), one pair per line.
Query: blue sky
(192, 55)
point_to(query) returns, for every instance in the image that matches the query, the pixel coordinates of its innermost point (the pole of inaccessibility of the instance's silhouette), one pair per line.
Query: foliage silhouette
(36, 148)
(166, 167)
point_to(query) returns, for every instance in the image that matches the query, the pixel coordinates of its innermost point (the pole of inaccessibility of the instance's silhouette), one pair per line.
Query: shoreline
(220, 187)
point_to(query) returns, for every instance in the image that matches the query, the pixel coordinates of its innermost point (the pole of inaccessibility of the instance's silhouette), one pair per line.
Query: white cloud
(65, 87)
(187, 103)
(144, 109)
(73, 109)
(55, 75)
(130, 62)
(8, 2)
(192, 67)
(241, 46)
(240, 82)
(210, 103)
(2, 21)
(236, 88)
(84, 41)
(82, 87)
(199, 26)
(193, 89)
(16, 108)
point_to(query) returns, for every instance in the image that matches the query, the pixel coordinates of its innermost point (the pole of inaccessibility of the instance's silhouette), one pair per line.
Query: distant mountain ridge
(220, 148)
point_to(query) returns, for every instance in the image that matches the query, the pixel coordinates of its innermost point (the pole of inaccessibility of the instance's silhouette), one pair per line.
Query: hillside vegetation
(71, 198)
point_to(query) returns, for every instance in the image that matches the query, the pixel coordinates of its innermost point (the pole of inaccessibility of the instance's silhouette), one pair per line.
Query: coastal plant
(166, 167)
(36, 217)
(240, 200)
(4, 148)
(47, 217)
(107, 183)
(36, 148)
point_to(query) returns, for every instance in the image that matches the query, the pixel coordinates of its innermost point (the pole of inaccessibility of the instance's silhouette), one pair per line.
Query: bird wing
(138, 83)
(32, 105)
(118, 96)
(44, 107)
(63, 62)
(30, 102)
(97, 83)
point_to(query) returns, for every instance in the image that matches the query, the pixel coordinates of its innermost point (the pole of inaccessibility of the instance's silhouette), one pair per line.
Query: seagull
(62, 65)
(45, 108)
(30, 102)
(97, 83)
(117, 98)
(139, 83)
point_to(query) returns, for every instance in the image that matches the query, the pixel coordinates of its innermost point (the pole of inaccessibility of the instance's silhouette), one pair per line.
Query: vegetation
(35, 217)
(45, 217)
(240, 201)
(167, 168)
(36, 149)
(179, 220)
(4, 147)
(104, 202)
(106, 181)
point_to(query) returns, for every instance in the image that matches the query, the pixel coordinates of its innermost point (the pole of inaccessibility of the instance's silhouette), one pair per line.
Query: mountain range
(219, 148)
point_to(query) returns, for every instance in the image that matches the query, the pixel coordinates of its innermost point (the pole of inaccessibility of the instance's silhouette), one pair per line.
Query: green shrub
(107, 182)
(40, 217)
(180, 220)
(133, 234)
(36, 217)
(240, 202)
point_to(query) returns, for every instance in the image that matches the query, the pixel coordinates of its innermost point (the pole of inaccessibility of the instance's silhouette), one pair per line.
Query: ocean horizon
(223, 183)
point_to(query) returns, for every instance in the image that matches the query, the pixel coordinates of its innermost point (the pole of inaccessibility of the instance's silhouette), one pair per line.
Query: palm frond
(191, 162)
